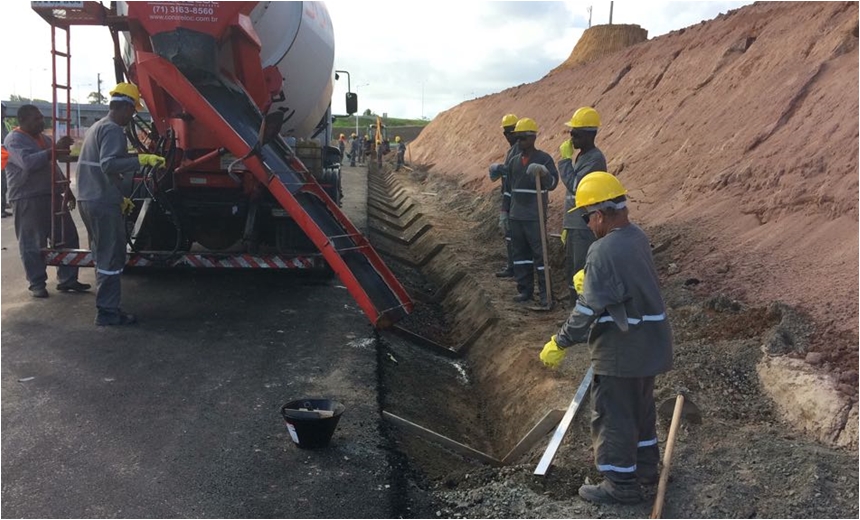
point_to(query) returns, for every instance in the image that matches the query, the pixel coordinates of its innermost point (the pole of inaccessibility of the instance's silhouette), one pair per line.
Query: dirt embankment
(742, 130)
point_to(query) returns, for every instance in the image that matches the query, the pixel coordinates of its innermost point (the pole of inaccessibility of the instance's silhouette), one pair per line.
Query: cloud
(409, 59)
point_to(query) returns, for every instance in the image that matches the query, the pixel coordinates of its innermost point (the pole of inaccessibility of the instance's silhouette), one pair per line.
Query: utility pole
(589, 16)
(99, 88)
(611, 5)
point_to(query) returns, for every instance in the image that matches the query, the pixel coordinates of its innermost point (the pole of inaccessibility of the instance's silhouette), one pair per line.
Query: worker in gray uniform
(621, 314)
(29, 175)
(354, 150)
(521, 172)
(576, 236)
(497, 172)
(103, 163)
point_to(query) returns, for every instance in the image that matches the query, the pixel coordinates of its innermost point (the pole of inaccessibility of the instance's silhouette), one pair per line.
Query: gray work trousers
(624, 428)
(575, 249)
(33, 229)
(509, 248)
(106, 228)
(527, 253)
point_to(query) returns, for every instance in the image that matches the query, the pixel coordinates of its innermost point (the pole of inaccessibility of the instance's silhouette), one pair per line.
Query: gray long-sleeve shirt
(28, 172)
(621, 284)
(103, 162)
(506, 195)
(571, 173)
(522, 186)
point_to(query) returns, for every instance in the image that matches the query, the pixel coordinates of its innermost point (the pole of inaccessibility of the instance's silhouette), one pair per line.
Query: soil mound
(601, 40)
(741, 133)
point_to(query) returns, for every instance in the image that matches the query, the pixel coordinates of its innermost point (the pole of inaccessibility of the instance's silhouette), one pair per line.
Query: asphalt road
(178, 416)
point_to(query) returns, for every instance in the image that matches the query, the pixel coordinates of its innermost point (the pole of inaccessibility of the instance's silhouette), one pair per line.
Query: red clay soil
(741, 131)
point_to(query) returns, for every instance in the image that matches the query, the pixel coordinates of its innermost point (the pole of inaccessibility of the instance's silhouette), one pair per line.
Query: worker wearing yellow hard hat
(522, 173)
(498, 172)
(103, 204)
(575, 235)
(620, 314)
(401, 153)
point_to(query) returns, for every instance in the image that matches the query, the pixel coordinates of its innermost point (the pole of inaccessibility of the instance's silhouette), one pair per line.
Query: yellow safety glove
(564, 237)
(552, 355)
(127, 206)
(566, 149)
(579, 281)
(149, 159)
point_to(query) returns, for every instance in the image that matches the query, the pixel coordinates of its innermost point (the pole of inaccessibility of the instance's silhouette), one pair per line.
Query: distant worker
(103, 163)
(382, 148)
(368, 148)
(621, 314)
(576, 236)
(354, 149)
(29, 168)
(522, 171)
(3, 198)
(341, 145)
(497, 172)
(401, 152)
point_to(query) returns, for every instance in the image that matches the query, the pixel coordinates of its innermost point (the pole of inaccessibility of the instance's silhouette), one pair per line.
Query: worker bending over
(621, 314)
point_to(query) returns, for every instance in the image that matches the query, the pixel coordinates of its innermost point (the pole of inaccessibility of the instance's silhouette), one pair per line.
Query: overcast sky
(407, 59)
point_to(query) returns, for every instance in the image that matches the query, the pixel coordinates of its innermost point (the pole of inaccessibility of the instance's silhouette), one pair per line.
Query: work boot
(523, 297)
(73, 285)
(606, 493)
(650, 479)
(38, 292)
(105, 319)
(505, 273)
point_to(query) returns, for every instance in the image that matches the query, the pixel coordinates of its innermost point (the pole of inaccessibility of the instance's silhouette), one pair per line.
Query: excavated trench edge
(401, 232)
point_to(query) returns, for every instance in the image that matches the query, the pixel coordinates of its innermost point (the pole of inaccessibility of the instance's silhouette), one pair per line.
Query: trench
(423, 374)
(466, 375)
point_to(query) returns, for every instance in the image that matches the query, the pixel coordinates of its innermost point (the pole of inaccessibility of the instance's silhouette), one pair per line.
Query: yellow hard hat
(526, 126)
(352, 135)
(128, 90)
(585, 118)
(366, 136)
(597, 187)
(342, 136)
(397, 139)
(509, 120)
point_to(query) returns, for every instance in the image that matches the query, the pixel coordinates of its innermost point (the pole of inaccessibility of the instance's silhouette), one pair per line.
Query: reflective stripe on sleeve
(523, 262)
(649, 442)
(582, 309)
(635, 321)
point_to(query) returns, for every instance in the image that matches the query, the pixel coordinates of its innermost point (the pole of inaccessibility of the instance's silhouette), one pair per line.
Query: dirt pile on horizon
(740, 132)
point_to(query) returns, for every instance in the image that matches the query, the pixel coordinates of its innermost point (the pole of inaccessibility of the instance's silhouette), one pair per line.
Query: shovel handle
(667, 458)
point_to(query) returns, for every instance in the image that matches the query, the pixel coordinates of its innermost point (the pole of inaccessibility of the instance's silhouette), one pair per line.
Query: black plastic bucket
(311, 422)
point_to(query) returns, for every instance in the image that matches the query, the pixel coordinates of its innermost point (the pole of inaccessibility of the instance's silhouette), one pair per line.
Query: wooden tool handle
(667, 458)
(543, 240)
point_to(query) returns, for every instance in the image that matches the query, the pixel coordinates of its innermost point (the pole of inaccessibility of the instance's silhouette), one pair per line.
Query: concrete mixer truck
(240, 99)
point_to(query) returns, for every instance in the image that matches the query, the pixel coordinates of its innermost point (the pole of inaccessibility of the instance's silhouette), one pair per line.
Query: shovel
(683, 408)
(544, 249)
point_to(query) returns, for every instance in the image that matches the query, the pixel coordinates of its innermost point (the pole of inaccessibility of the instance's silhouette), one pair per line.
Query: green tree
(17, 98)
(97, 98)
(367, 112)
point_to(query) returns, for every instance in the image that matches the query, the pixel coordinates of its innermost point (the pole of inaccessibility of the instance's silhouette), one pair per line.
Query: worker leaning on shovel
(620, 313)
